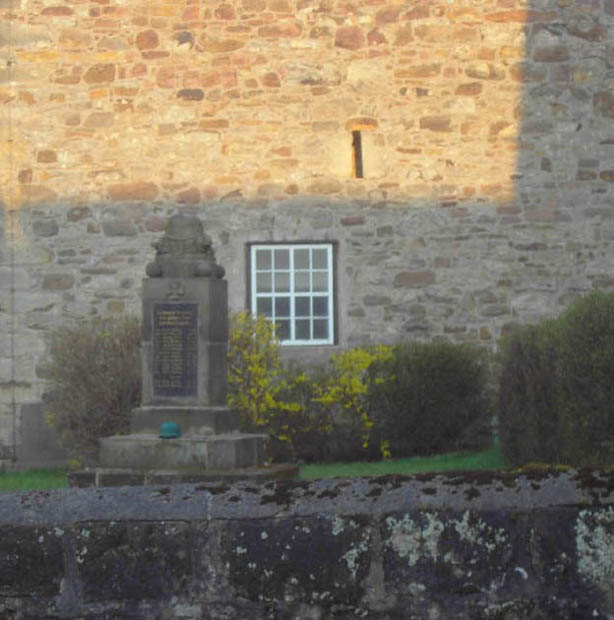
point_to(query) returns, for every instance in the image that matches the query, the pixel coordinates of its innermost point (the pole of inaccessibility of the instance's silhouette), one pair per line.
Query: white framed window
(292, 285)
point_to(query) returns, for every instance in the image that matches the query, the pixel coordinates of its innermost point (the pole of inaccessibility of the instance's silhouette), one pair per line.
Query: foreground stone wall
(461, 546)
(488, 147)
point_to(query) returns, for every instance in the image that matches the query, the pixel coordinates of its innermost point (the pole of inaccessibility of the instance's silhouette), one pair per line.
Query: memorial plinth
(184, 348)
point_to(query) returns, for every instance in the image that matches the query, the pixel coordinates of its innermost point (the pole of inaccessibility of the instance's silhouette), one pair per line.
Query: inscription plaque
(175, 349)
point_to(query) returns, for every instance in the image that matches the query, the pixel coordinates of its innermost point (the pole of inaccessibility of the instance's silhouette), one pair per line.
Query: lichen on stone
(410, 540)
(477, 532)
(352, 556)
(594, 543)
(339, 525)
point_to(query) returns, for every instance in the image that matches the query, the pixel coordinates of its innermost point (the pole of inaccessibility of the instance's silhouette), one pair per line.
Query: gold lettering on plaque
(175, 349)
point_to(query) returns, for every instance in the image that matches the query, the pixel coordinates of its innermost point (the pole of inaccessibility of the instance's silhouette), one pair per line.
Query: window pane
(264, 305)
(282, 259)
(320, 281)
(263, 259)
(320, 259)
(301, 307)
(301, 282)
(301, 259)
(302, 330)
(282, 306)
(283, 329)
(320, 329)
(282, 281)
(263, 282)
(292, 287)
(320, 306)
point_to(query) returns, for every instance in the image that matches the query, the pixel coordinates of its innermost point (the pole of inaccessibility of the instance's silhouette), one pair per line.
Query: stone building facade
(456, 157)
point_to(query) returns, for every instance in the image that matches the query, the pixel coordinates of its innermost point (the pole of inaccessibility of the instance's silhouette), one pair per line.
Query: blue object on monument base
(169, 430)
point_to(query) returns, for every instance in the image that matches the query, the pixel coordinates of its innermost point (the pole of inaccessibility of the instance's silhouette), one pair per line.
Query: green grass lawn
(32, 479)
(454, 461)
(488, 459)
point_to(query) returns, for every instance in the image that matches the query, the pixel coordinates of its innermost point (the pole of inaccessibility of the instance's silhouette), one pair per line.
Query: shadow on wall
(488, 164)
(565, 166)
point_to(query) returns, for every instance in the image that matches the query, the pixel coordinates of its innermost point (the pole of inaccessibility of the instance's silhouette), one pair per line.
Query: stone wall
(456, 547)
(488, 146)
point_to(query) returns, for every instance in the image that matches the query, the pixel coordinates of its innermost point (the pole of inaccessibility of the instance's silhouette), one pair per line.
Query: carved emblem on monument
(175, 291)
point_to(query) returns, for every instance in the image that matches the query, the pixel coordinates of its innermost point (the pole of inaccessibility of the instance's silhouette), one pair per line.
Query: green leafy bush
(586, 379)
(94, 374)
(364, 403)
(431, 397)
(556, 400)
(529, 424)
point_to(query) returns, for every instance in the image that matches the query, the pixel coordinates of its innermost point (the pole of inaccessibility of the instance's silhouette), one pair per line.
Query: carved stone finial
(184, 251)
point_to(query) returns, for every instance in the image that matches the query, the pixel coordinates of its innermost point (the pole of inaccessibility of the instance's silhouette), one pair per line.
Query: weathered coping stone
(117, 477)
(458, 546)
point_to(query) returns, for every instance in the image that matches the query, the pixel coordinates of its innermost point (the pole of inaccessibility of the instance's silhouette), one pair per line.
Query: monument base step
(205, 452)
(192, 420)
(115, 477)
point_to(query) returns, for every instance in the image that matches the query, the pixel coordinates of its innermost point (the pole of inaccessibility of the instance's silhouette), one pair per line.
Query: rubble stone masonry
(459, 546)
(487, 147)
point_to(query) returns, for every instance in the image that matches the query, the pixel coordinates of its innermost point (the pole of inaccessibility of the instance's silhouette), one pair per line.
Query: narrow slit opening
(357, 154)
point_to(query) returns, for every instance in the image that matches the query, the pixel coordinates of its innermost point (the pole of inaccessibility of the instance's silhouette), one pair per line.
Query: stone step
(192, 420)
(206, 452)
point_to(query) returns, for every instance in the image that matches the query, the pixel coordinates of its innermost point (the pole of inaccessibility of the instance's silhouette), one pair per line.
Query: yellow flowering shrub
(346, 389)
(254, 368)
(300, 409)
(269, 397)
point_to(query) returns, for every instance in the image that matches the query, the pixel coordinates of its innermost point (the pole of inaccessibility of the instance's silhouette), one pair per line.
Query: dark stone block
(302, 559)
(58, 281)
(553, 549)
(31, 561)
(448, 554)
(45, 228)
(376, 300)
(133, 560)
(119, 227)
(81, 479)
(120, 479)
(191, 94)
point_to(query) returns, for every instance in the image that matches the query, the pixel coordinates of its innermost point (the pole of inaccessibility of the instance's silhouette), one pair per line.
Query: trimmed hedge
(556, 396)
(529, 425)
(586, 379)
(432, 397)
